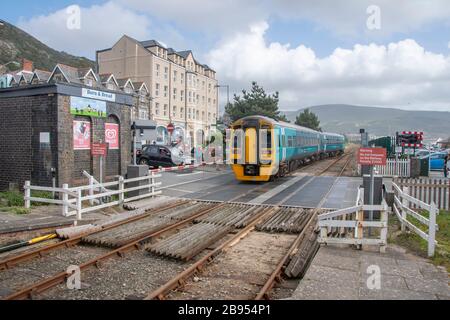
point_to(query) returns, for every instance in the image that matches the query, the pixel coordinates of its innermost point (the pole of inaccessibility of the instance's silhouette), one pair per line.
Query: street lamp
(228, 91)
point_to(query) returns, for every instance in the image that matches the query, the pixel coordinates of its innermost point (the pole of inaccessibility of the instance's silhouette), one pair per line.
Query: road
(300, 189)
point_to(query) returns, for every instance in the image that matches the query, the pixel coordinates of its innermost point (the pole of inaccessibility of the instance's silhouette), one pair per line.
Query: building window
(174, 93)
(157, 70)
(157, 109)
(174, 76)
(174, 111)
(157, 89)
(190, 97)
(190, 80)
(203, 115)
(197, 115)
(197, 99)
(203, 99)
(209, 87)
(143, 96)
(182, 78)
(143, 114)
(203, 84)
(181, 95)
(166, 89)
(166, 73)
(165, 110)
(110, 86)
(88, 82)
(209, 116)
(181, 112)
(189, 113)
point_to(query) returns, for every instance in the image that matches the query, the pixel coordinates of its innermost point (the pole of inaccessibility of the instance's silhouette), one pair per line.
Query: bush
(12, 199)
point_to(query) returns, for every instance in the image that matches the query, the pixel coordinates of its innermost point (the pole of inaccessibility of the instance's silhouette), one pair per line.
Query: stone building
(182, 90)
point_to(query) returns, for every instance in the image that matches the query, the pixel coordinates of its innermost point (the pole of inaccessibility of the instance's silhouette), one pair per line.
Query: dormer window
(88, 82)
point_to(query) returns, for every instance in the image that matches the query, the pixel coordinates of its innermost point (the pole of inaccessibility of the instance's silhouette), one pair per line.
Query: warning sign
(99, 149)
(372, 156)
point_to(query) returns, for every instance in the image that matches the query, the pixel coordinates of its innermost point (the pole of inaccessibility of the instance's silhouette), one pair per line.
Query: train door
(283, 145)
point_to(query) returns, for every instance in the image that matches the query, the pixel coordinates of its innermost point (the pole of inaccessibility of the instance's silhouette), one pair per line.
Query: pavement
(347, 274)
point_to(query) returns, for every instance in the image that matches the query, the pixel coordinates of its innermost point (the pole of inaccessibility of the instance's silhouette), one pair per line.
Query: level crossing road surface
(297, 190)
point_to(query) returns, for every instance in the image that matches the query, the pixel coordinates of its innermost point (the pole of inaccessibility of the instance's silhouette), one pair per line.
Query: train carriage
(262, 148)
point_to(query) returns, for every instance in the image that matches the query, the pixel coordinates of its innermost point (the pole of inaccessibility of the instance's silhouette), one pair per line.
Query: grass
(419, 246)
(13, 202)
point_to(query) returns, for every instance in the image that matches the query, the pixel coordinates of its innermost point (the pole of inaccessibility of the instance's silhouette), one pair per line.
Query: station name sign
(99, 95)
(372, 156)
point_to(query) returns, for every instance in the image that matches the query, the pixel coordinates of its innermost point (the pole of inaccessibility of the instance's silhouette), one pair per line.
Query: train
(285, 149)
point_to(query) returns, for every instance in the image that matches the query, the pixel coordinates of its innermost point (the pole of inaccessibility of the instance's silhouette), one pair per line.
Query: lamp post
(228, 91)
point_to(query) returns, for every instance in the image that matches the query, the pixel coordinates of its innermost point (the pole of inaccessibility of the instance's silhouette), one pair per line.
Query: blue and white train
(287, 146)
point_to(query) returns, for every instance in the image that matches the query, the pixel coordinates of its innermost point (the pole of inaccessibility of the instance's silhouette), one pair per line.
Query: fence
(346, 226)
(75, 198)
(402, 208)
(427, 190)
(393, 168)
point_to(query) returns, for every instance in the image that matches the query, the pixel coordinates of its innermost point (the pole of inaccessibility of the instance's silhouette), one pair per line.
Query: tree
(308, 119)
(255, 102)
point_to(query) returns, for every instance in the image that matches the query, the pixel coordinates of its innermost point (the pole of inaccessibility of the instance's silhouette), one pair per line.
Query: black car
(159, 156)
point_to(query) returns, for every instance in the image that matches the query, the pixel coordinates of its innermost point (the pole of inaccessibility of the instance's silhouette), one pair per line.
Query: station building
(48, 127)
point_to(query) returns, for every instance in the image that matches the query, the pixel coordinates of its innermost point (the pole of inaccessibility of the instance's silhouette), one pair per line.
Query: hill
(379, 121)
(16, 44)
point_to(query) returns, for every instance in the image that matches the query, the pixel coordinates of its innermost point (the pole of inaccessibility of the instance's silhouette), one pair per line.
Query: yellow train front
(260, 148)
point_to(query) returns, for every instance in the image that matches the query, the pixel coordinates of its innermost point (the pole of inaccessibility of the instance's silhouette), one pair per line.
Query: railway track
(177, 212)
(274, 214)
(113, 241)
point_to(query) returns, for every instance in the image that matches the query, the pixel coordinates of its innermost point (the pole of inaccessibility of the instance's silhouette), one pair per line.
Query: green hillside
(379, 121)
(16, 44)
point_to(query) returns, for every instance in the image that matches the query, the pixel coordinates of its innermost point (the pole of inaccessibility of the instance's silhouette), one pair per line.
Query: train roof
(332, 134)
(284, 124)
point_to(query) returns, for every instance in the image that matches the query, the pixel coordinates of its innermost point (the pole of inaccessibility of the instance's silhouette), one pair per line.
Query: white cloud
(101, 26)
(400, 74)
(343, 17)
(206, 16)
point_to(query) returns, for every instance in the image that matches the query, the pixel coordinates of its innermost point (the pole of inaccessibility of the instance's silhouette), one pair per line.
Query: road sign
(372, 156)
(99, 149)
(170, 127)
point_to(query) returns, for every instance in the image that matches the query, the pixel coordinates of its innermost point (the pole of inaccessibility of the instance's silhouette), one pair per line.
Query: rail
(73, 198)
(402, 209)
(346, 226)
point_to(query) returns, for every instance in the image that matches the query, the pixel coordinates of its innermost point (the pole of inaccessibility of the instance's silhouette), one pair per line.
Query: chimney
(27, 65)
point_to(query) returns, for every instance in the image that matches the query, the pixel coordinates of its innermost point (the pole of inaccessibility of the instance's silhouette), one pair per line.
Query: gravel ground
(239, 272)
(31, 271)
(131, 277)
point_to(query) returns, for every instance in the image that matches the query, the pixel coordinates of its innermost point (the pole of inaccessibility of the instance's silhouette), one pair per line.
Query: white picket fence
(346, 226)
(393, 168)
(75, 198)
(402, 208)
(428, 190)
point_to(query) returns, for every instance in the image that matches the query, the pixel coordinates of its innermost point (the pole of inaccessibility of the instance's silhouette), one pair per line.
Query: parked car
(162, 156)
(436, 160)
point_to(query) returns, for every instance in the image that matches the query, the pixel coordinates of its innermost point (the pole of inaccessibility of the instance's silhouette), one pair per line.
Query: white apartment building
(182, 91)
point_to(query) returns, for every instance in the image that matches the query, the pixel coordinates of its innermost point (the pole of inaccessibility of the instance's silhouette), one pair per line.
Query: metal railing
(402, 208)
(74, 198)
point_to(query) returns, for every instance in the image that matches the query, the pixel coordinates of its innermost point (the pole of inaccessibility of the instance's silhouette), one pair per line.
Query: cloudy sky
(377, 52)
